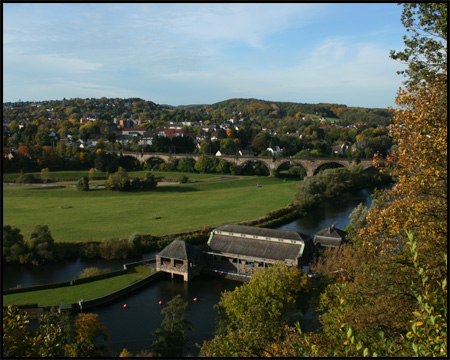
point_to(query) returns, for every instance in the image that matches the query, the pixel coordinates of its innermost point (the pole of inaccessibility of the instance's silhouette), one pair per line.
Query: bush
(26, 179)
(183, 179)
(136, 241)
(149, 182)
(118, 181)
(92, 271)
(115, 249)
(83, 184)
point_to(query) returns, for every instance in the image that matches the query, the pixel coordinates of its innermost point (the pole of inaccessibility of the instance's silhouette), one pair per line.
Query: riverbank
(83, 294)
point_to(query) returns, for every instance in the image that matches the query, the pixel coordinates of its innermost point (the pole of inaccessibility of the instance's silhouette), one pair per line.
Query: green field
(72, 294)
(97, 214)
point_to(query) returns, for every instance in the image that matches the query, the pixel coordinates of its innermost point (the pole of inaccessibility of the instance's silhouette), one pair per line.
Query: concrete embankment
(34, 311)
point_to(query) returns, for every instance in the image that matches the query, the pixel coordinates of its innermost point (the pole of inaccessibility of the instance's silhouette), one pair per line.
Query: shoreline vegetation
(310, 192)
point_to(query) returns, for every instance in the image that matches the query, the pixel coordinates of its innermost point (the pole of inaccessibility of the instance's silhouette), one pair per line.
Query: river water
(132, 328)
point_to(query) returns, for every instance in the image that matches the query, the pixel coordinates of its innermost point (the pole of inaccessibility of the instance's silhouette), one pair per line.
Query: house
(146, 139)
(180, 258)
(133, 131)
(246, 153)
(274, 151)
(225, 152)
(239, 249)
(330, 237)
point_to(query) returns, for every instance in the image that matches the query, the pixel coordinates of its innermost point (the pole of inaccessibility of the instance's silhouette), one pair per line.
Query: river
(132, 328)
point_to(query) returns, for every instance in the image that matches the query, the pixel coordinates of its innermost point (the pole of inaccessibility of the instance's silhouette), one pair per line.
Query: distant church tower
(64, 103)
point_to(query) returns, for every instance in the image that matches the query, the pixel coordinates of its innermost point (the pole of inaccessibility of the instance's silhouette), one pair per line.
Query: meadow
(212, 200)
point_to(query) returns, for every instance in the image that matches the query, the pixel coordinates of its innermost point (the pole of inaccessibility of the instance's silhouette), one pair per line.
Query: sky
(187, 53)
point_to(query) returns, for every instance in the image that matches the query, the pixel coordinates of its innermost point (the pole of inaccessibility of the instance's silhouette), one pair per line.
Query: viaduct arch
(310, 164)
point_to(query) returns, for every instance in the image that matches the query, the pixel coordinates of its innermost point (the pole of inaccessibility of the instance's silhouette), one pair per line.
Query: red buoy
(160, 303)
(195, 299)
(125, 306)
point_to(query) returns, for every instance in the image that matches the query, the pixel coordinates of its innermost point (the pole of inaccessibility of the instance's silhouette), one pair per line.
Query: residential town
(236, 127)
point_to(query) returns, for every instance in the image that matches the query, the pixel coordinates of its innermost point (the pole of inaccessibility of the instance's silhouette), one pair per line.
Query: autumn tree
(389, 296)
(45, 173)
(87, 329)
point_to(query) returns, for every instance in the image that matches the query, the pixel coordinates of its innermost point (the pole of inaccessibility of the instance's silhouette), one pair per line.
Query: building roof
(257, 242)
(179, 249)
(331, 236)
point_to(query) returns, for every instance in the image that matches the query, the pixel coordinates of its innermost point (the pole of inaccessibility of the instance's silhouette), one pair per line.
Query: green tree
(252, 315)
(118, 181)
(41, 244)
(20, 341)
(172, 335)
(14, 248)
(426, 47)
(149, 182)
(83, 184)
(186, 164)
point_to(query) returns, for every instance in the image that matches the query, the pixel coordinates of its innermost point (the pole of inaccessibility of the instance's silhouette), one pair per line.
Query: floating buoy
(195, 299)
(125, 306)
(160, 303)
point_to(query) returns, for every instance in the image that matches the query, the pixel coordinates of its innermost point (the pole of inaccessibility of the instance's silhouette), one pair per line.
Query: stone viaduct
(309, 164)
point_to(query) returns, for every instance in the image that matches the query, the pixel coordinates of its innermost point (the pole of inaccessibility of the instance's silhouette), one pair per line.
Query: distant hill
(249, 109)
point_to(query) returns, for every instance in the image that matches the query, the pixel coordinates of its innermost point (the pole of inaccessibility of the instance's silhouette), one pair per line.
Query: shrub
(92, 271)
(115, 249)
(135, 241)
(149, 182)
(118, 181)
(83, 184)
(183, 179)
(25, 179)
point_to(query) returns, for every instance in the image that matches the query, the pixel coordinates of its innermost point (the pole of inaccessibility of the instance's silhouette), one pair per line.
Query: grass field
(97, 214)
(72, 294)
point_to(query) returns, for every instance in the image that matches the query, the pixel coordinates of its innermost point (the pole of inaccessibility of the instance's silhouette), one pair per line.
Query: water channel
(132, 328)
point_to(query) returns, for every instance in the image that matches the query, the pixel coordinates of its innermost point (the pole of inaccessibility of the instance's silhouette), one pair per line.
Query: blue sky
(180, 54)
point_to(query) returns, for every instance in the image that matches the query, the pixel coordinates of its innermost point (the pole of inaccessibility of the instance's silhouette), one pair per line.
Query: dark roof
(252, 230)
(179, 249)
(260, 248)
(331, 236)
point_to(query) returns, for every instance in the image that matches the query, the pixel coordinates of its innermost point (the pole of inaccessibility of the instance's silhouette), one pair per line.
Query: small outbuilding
(180, 258)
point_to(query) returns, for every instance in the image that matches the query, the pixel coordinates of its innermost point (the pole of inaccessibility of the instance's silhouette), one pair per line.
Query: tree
(172, 335)
(87, 329)
(426, 48)
(83, 184)
(252, 315)
(92, 174)
(149, 182)
(118, 181)
(41, 244)
(400, 256)
(186, 164)
(20, 341)
(14, 246)
(45, 175)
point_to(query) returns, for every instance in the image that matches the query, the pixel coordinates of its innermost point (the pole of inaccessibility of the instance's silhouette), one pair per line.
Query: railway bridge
(309, 164)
